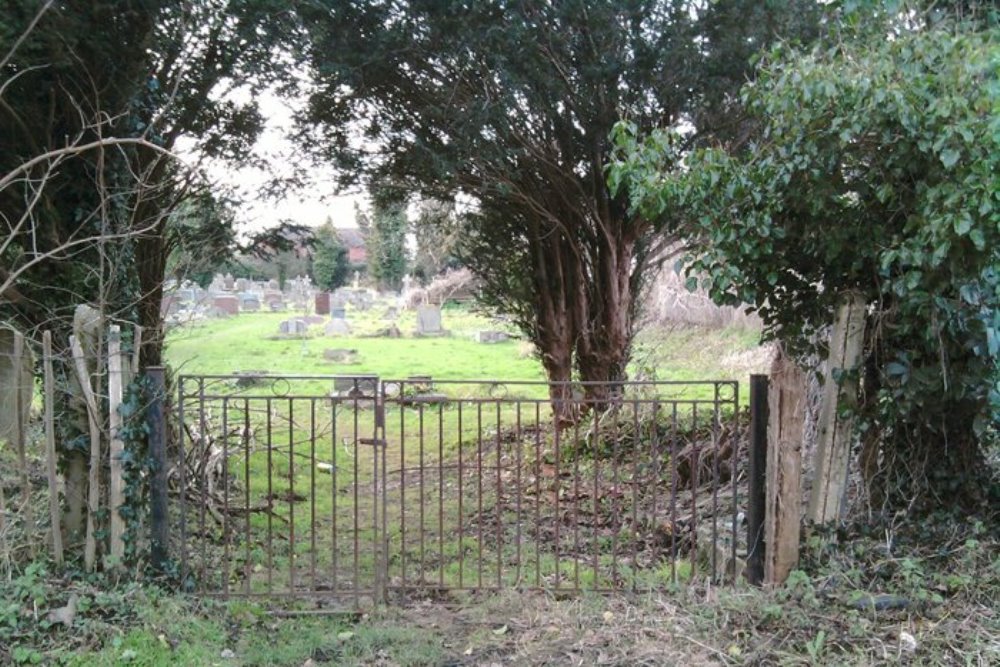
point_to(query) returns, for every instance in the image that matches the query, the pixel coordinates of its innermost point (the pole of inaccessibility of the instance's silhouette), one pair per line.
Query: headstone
(241, 284)
(391, 313)
(338, 327)
(391, 331)
(429, 321)
(277, 306)
(314, 319)
(489, 337)
(228, 304)
(363, 385)
(338, 313)
(249, 302)
(357, 279)
(340, 356)
(273, 285)
(170, 305)
(227, 282)
(323, 303)
(293, 327)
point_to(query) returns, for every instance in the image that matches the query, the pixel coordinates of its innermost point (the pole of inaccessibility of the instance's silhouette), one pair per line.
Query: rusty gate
(360, 488)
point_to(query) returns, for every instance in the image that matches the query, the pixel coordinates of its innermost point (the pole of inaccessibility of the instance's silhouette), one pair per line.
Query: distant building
(354, 241)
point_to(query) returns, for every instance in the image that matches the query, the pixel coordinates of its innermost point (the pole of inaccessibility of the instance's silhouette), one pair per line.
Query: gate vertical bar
(757, 477)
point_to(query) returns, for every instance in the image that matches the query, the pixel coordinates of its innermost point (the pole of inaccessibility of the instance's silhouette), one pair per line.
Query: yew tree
(877, 171)
(507, 107)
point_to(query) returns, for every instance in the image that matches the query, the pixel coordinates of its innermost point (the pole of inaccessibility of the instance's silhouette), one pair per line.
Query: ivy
(137, 468)
(876, 168)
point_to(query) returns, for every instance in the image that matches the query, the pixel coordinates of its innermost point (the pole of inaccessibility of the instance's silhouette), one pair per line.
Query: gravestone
(338, 327)
(391, 331)
(249, 302)
(228, 283)
(314, 319)
(338, 313)
(429, 321)
(277, 306)
(362, 385)
(340, 356)
(391, 313)
(323, 303)
(293, 328)
(273, 285)
(489, 337)
(227, 304)
(170, 305)
(241, 284)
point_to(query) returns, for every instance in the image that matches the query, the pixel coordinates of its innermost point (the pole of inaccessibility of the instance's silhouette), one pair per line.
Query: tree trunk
(555, 329)
(605, 317)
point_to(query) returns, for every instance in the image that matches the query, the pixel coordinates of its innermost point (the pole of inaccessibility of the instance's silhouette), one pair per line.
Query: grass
(945, 568)
(250, 342)
(950, 578)
(273, 458)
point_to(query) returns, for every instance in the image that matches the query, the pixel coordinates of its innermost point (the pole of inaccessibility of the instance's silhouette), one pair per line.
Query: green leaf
(949, 157)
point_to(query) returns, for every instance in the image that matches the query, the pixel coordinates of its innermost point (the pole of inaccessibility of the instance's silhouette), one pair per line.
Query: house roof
(351, 237)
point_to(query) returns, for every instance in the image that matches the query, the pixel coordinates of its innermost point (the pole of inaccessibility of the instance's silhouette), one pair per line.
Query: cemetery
(487, 333)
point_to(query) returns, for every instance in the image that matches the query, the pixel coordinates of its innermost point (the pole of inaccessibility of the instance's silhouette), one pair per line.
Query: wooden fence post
(756, 545)
(117, 447)
(159, 521)
(21, 437)
(93, 481)
(50, 448)
(783, 521)
(833, 449)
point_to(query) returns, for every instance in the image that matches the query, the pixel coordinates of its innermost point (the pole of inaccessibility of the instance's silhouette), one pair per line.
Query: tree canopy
(510, 104)
(329, 266)
(877, 170)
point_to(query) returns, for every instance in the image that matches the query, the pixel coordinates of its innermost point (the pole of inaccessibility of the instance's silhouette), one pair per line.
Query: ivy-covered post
(757, 473)
(159, 527)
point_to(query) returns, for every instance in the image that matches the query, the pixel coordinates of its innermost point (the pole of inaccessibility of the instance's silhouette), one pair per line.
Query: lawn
(304, 482)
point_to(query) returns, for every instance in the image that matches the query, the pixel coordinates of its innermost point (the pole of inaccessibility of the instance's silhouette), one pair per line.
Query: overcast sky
(309, 206)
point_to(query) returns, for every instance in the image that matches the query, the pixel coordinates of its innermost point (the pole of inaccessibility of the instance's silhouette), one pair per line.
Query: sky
(309, 206)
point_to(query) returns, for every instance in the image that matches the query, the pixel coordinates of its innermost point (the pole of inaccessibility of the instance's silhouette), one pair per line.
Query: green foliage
(137, 467)
(877, 170)
(448, 112)
(437, 230)
(330, 266)
(203, 236)
(385, 238)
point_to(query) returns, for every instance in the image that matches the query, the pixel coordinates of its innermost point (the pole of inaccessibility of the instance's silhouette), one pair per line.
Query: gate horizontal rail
(356, 487)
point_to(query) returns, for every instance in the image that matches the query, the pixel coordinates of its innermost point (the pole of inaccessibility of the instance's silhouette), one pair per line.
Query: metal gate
(358, 488)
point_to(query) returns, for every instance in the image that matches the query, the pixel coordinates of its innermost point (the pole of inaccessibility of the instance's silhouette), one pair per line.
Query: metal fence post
(159, 525)
(757, 500)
